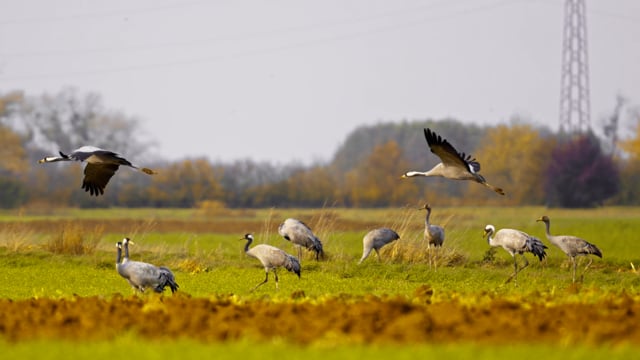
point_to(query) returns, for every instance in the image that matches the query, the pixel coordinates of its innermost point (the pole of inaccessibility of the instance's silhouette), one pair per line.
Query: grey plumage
(271, 258)
(434, 234)
(101, 166)
(301, 235)
(515, 242)
(453, 165)
(375, 240)
(141, 275)
(571, 245)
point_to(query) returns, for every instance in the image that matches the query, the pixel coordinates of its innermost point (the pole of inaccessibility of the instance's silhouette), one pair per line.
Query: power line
(254, 52)
(101, 14)
(321, 26)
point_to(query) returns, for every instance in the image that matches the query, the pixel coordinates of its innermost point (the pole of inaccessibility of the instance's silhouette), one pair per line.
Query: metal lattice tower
(575, 105)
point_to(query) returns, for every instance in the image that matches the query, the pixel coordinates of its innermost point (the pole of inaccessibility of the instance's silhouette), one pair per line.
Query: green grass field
(212, 263)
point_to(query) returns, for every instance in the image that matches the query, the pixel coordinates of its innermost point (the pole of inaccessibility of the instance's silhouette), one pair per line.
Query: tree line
(533, 164)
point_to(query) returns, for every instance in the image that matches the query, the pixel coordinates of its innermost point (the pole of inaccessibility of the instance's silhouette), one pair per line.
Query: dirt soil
(339, 319)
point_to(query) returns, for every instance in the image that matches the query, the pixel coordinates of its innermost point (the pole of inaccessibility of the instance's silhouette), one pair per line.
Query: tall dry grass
(75, 240)
(17, 237)
(413, 248)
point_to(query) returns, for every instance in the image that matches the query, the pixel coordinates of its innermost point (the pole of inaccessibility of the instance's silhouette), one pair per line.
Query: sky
(287, 80)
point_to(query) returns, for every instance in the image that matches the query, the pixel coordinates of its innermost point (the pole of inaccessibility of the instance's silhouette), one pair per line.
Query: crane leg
(526, 262)
(378, 255)
(513, 276)
(276, 276)
(585, 270)
(265, 280)
(573, 275)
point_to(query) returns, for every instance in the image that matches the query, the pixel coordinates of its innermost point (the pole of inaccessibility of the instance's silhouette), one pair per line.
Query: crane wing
(96, 177)
(448, 154)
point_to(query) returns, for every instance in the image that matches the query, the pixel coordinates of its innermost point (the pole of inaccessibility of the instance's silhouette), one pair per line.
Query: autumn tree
(514, 158)
(68, 120)
(185, 183)
(630, 173)
(579, 174)
(376, 182)
(315, 186)
(13, 192)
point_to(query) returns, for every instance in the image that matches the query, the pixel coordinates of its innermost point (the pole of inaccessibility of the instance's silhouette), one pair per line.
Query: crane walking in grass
(301, 236)
(572, 246)
(101, 166)
(434, 234)
(142, 276)
(515, 242)
(375, 240)
(271, 258)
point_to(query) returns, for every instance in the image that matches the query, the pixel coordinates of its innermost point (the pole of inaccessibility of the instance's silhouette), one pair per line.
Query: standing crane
(271, 258)
(101, 166)
(301, 236)
(142, 276)
(453, 165)
(434, 234)
(375, 240)
(572, 246)
(515, 242)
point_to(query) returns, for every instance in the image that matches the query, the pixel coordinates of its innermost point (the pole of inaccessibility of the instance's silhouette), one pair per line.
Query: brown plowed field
(346, 319)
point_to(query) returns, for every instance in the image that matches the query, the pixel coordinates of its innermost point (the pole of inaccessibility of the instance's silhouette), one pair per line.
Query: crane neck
(426, 219)
(547, 227)
(118, 255)
(126, 251)
(246, 246)
(417, 173)
(49, 159)
(490, 237)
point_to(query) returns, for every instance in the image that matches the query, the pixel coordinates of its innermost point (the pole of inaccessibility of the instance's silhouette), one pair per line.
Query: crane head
(489, 229)
(543, 218)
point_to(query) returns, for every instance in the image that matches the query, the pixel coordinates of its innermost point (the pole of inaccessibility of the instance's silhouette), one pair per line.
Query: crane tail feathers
(536, 247)
(167, 279)
(592, 249)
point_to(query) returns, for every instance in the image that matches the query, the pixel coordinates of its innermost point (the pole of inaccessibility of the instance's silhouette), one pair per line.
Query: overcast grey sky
(287, 80)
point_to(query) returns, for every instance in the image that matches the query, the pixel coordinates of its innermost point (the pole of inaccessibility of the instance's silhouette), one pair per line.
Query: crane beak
(404, 176)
